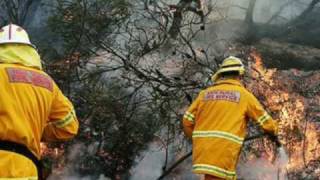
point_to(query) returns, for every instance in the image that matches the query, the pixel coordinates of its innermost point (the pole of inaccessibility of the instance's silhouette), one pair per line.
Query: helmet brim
(15, 42)
(239, 69)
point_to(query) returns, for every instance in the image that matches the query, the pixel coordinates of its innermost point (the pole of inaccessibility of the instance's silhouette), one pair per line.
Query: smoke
(259, 169)
(69, 171)
(264, 10)
(77, 177)
(150, 163)
(149, 166)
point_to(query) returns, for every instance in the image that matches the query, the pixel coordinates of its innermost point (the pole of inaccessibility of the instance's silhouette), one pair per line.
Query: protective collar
(228, 81)
(20, 54)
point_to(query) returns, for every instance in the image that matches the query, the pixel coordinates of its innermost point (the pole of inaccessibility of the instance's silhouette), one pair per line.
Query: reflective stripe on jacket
(32, 109)
(216, 121)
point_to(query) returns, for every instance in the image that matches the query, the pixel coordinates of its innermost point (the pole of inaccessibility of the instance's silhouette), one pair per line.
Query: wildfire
(258, 65)
(277, 91)
(43, 148)
(51, 152)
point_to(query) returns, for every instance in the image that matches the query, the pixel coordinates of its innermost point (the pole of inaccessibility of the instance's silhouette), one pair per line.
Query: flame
(56, 152)
(290, 108)
(258, 60)
(53, 153)
(43, 148)
(259, 71)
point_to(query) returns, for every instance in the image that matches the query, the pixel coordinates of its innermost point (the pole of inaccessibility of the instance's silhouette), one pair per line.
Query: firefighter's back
(32, 107)
(26, 97)
(216, 120)
(223, 108)
(220, 128)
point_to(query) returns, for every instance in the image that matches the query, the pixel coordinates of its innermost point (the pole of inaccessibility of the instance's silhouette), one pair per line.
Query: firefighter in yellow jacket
(216, 122)
(32, 108)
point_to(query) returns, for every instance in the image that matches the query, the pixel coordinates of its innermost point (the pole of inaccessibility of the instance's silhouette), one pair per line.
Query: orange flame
(290, 109)
(258, 60)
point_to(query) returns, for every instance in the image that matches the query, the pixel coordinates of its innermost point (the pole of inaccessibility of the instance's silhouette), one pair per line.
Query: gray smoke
(261, 168)
(69, 172)
(149, 166)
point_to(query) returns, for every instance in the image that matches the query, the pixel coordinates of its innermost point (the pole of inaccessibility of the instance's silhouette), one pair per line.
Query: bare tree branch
(180, 8)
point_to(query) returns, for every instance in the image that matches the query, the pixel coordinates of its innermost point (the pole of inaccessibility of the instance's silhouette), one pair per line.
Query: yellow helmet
(229, 64)
(13, 34)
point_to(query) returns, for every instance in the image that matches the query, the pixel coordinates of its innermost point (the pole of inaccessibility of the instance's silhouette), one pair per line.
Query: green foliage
(81, 24)
(116, 120)
(120, 116)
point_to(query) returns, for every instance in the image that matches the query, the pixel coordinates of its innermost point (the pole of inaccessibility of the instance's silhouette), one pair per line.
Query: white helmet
(12, 33)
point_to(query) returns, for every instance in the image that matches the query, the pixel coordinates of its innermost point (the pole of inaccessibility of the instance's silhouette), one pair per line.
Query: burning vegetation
(292, 99)
(130, 67)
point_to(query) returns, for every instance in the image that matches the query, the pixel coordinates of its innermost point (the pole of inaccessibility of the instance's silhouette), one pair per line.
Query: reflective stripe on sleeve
(65, 121)
(215, 170)
(189, 116)
(219, 134)
(262, 119)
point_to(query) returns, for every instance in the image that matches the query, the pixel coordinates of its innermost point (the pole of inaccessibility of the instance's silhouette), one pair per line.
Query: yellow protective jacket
(216, 121)
(32, 108)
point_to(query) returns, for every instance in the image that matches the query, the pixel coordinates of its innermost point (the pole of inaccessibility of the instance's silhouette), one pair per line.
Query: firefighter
(32, 107)
(216, 122)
